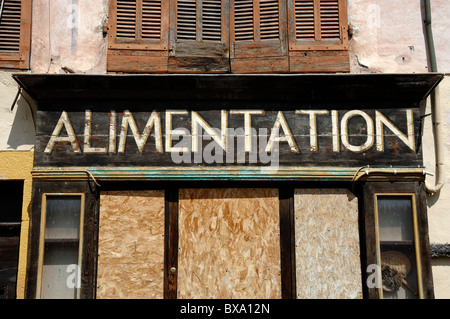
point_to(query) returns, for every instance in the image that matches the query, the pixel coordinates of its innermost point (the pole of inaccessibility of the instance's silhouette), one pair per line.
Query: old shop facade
(229, 186)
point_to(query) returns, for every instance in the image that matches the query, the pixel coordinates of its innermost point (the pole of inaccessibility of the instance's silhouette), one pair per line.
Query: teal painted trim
(226, 174)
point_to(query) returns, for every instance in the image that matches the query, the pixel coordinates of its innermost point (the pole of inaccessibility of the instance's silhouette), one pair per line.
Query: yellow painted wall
(17, 165)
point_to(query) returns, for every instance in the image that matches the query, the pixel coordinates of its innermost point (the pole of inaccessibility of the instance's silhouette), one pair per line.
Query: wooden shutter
(258, 36)
(199, 38)
(318, 35)
(15, 34)
(138, 36)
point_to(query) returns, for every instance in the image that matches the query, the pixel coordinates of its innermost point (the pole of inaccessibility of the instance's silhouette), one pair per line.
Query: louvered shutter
(138, 35)
(15, 28)
(199, 39)
(318, 24)
(318, 36)
(258, 36)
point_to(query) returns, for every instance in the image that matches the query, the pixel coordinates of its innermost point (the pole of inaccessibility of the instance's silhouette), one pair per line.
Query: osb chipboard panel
(327, 250)
(131, 245)
(229, 243)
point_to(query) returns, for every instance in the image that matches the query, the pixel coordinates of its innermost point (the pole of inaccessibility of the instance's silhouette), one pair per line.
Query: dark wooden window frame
(372, 189)
(21, 58)
(44, 214)
(90, 233)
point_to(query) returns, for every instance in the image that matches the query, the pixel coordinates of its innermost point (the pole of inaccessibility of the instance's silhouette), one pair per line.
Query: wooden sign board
(115, 136)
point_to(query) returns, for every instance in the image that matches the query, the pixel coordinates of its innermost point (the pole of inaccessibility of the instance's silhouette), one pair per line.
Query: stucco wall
(69, 34)
(438, 212)
(439, 217)
(16, 125)
(389, 36)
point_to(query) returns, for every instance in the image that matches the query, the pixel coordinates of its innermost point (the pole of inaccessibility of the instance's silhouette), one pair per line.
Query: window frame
(90, 232)
(412, 197)
(417, 193)
(20, 59)
(42, 237)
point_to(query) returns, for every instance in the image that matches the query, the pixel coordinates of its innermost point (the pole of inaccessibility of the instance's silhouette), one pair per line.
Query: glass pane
(63, 217)
(61, 248)
(58, 277)
(395, 218)
(398, 271)
(398, 257)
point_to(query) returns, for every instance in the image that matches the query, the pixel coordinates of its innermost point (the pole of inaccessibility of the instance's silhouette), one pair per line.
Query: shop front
(229, 186)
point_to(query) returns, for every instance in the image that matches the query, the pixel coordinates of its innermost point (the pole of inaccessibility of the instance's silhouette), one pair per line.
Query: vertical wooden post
(171, 244)
(287, 243)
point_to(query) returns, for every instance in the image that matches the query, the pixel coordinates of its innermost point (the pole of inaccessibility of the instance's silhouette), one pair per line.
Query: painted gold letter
(275, 134)
(380, 119)
(63, 121)
(370, 131)
(312, 127)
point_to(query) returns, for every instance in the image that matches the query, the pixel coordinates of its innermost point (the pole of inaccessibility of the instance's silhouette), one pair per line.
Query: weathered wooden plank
(195, 64)
(287, 243)
(260, 65)
(200, 49)
(319, 61)
(338, 91)
(257, 50)
(137, 64)
(171, 244)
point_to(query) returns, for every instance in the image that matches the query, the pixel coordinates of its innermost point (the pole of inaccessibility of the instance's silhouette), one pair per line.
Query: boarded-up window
(15, 34)
(327, 244)
(237, 36)
(229, 244)
(131, 245)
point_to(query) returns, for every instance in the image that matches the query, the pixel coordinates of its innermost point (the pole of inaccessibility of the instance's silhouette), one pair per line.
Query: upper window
(15, 31)
(238, 36)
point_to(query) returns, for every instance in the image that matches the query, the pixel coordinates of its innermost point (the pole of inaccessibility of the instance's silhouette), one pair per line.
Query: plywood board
(327, 247)
(131, 245)
(229, 243)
